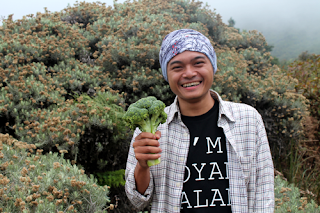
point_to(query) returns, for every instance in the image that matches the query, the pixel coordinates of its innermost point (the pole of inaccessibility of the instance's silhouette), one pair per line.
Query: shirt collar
(224, 109)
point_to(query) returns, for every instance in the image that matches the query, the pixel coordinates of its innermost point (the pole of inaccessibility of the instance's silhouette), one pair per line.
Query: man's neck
(197, 107)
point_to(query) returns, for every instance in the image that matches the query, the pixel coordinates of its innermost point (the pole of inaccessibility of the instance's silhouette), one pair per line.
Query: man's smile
(191, 84)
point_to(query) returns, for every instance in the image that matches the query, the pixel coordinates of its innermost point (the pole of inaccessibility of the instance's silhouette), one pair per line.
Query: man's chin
(191, 98)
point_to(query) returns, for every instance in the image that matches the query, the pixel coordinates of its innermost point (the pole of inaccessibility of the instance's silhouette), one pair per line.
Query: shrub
(42, 39)
(272, 94)
(84, 13)
(288, 198)
(306, 70)
(91, 129)
(32, 182)
(258, 63)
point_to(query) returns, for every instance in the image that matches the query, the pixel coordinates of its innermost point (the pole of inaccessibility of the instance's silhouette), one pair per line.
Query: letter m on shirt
(214, 145)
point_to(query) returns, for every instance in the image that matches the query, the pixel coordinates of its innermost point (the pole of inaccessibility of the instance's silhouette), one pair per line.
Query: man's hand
(146, 147)
(145, 144)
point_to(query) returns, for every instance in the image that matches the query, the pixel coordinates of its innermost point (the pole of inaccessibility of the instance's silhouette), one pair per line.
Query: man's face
(190, 76)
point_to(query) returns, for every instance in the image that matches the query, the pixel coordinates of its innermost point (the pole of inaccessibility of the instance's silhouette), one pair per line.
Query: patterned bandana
(179, 41)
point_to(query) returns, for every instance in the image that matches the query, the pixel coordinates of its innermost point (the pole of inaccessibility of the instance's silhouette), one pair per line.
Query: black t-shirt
(206, 181)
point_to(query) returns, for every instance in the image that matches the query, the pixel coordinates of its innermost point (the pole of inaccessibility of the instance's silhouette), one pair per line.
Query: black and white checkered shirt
(250, 166)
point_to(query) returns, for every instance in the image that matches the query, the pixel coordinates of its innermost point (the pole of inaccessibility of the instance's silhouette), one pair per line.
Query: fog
(292, 26)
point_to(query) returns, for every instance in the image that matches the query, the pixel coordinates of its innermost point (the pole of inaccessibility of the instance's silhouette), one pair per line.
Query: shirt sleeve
(264, 201)
(138, 200)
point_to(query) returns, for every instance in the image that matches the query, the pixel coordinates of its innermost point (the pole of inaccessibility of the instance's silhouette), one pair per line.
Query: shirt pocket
(246, 166)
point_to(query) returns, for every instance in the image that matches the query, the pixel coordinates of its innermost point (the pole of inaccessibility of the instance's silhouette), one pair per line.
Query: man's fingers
(145, 142)
(146, 147)
(146, 150)
(145, 157)
(145, 135)
(158, 134)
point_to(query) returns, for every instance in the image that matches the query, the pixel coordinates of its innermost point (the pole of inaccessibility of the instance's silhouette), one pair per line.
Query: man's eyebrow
(198, 57)
(175, 62)
(195, 58)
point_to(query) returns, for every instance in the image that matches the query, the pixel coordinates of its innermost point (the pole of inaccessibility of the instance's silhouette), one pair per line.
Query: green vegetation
(306, 70)
(146, 114)
(288, 198)
(33, 182)
(306, 160)
(67, 78)
(111, 178)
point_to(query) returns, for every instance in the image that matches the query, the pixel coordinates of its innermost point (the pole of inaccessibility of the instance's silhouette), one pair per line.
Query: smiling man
(215, 155)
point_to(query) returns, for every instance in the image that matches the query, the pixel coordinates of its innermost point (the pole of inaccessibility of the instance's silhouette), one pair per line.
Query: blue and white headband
(181, 40)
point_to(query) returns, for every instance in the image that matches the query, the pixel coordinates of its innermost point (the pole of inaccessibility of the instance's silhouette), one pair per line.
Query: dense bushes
(272, 93)
(117, 50)
(32, 182)
(288, 199)
(306, 70)
(66, 79)
(306, 175)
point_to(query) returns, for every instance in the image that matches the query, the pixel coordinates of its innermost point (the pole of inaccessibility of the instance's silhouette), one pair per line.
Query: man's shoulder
(240, 110)
(234, 109)
(234, 106)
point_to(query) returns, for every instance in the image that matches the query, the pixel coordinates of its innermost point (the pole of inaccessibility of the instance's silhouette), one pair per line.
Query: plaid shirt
(250, 166)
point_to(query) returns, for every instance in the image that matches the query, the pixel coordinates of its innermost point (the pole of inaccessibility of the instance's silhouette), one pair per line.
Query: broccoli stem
(150, 127)
(153, 162)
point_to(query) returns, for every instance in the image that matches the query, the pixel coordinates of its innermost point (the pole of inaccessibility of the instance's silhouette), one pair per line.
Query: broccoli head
(146, 114)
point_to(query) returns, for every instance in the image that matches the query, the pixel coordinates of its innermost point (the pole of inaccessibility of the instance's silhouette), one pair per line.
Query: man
(215, 155)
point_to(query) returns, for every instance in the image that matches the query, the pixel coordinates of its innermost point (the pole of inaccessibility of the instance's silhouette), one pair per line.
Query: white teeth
(191, 84)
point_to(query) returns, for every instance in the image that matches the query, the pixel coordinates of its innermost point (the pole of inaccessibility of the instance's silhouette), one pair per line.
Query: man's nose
(189, 72)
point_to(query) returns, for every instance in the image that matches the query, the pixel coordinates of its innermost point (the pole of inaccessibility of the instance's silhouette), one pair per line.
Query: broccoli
(146, 114)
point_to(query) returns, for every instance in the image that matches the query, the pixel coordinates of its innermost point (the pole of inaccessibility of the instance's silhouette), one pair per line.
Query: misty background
(291, 26)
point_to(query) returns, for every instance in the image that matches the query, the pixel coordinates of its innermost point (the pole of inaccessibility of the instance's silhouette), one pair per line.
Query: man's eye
(199, 62)
(177, 67)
